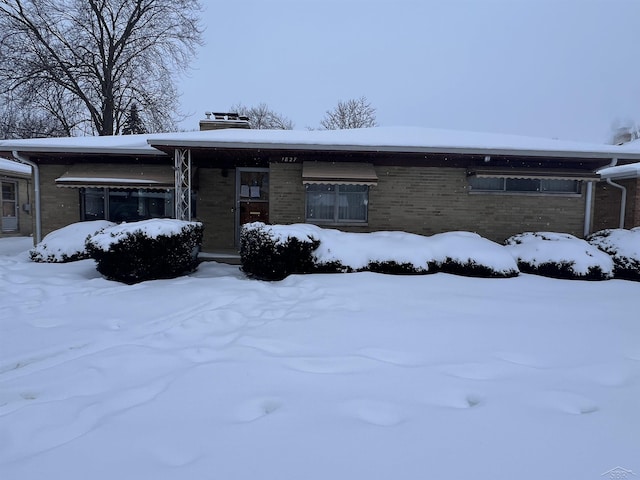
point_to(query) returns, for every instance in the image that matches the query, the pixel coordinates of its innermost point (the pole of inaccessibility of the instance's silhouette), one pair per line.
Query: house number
(289, 159)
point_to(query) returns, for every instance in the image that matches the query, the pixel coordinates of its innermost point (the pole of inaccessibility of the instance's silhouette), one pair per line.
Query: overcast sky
(551, 68)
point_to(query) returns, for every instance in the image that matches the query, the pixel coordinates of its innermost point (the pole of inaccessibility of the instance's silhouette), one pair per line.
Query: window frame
(7, 201)
(336, 220)
(106, 192)
(505, 190)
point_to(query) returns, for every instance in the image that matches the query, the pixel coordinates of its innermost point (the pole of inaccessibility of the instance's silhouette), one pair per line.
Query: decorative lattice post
(183, 184)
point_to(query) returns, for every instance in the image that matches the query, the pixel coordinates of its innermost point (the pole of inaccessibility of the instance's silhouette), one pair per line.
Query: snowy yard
(327, 377)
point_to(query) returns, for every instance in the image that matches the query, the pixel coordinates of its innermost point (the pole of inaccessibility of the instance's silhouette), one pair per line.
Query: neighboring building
(15, 202)
(411, 179)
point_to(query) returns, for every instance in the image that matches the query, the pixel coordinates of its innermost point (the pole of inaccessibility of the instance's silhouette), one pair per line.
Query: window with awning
(118, 176)
(338, 173)
(534, 173)
(337, 193)
(528, 180)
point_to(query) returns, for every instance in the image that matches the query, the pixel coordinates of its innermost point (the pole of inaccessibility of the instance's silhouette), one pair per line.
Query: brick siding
(59, 206)
(607, 205)
(434, 200)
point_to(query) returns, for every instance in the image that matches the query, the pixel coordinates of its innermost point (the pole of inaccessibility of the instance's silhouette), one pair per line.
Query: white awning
(532, 173)
(339, 173)
(118, 176)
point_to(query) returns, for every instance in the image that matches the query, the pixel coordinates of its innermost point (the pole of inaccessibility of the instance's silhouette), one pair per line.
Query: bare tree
(354, 113)
(90, 60)
(22, 119)
(261, 117)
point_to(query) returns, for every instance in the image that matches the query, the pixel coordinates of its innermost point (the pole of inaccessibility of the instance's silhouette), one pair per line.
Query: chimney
(223, 120)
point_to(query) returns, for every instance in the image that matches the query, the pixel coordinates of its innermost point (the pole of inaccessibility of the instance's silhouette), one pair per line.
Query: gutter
(36, 190)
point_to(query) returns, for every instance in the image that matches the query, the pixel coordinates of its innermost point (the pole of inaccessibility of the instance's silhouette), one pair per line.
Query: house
(417, 180)
(15, 202)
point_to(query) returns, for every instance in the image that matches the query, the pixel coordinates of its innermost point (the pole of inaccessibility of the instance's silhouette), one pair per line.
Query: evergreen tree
(133, 123)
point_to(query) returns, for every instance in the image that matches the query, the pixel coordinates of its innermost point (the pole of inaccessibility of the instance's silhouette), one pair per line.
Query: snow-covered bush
(624, 248)
(68, 243)
(469, 254)
(146, 250)
(270, 253)
(559, 255)
(275, 251)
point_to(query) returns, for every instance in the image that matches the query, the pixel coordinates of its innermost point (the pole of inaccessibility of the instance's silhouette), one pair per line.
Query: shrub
(559, 255)
(146, 250)
(67, 244)
(469, 254)
(624, 248)
(396, 268)
(266, 255)
(472, 268)
(272, 252)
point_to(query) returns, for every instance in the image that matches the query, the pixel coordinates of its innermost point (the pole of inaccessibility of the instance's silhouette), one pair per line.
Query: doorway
(252, 197)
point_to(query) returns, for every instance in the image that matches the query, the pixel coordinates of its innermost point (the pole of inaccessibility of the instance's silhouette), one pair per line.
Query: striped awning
(118, 176)
(339, 173)
(531, 173)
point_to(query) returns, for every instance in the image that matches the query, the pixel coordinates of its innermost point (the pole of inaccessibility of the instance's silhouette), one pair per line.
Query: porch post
(183, 184)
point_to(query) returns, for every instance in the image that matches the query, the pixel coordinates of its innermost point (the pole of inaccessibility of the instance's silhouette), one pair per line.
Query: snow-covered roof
(395, 139)
(9, 167)
(379, 139)
(621, 172)
(116, 144)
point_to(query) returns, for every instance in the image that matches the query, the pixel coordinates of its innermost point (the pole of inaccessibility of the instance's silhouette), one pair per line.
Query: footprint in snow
(256, 408)
(381, 414)
(566, 402)
(454, 399)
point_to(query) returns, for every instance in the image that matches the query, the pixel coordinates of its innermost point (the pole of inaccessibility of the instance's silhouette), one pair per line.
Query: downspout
(36, 191)
(623, 200)
(587, 210)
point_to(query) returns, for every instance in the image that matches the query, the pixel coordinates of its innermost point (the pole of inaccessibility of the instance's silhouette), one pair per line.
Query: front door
(9, 204)
(252, 197)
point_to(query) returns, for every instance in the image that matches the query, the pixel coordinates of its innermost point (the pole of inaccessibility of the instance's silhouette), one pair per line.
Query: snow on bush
(466, 253)
(559, 255)
(68, 243)
(146, 250)
(314, 249)
(272, 253)
(624, 248)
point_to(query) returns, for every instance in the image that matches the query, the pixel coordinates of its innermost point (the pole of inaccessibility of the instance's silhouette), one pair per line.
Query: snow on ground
(214, 376)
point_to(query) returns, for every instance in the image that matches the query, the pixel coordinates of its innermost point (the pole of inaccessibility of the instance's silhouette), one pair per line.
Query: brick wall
(286, 193)
(216, 207)
(59, 206)
(434, 200)
(607, 205)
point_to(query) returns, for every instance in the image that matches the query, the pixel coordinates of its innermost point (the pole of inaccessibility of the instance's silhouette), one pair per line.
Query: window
(337, 203)
(9, 203)
(537, 185)
(125, 204)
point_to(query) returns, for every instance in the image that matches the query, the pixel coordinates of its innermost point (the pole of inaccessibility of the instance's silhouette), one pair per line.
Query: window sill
(337, 224)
